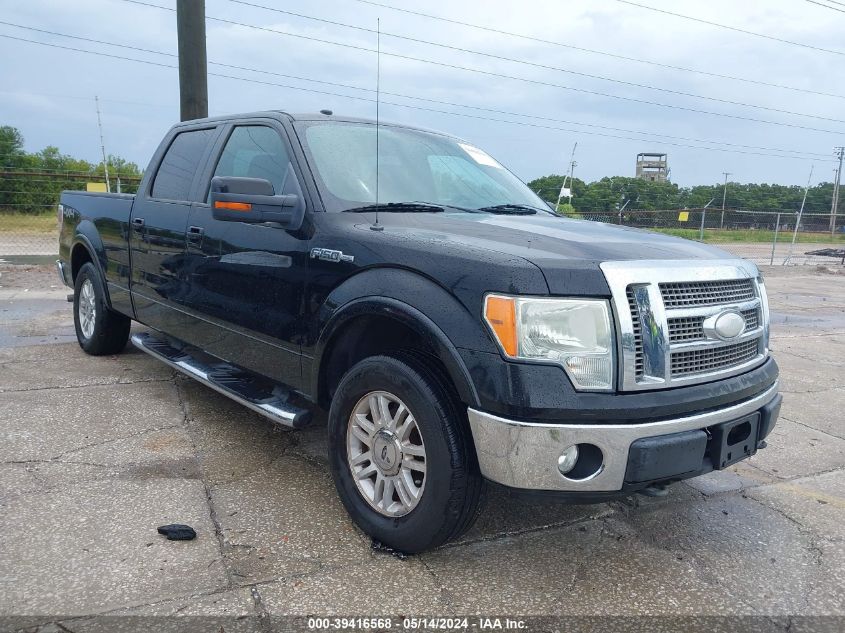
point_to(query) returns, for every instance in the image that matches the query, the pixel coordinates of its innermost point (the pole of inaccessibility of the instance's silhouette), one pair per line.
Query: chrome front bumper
(525, 454)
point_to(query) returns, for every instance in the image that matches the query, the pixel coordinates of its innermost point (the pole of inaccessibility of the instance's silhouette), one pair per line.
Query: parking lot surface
(98, 452)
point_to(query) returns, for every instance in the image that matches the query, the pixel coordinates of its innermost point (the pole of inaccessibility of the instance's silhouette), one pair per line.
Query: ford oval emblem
(725, 325)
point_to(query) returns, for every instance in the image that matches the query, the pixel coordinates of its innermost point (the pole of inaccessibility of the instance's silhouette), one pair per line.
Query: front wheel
(401, 453)
(100, 331)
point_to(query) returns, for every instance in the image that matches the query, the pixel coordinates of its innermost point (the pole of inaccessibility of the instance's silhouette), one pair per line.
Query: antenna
(102, 144)
(377, 226)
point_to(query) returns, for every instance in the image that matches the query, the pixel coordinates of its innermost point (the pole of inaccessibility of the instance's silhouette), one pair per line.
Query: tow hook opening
(580, 462)
(739, 434)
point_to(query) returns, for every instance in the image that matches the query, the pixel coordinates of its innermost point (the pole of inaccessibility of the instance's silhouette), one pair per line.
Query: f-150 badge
(328, 255)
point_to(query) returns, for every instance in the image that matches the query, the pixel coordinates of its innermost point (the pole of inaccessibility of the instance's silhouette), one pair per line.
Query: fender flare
(86, 236)
(409, 316)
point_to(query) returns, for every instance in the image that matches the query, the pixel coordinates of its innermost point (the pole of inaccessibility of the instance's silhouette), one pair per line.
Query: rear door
(246, 281)
(158, 224)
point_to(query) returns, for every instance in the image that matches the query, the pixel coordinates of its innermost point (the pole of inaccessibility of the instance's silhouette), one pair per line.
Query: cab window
(256, 151)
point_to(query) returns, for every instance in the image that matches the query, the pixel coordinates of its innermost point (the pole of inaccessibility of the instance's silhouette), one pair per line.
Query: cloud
(140, 102)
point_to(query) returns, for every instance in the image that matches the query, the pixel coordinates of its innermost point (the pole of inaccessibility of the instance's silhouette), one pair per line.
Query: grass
(719, 236)
(46, 223)
(28, 223)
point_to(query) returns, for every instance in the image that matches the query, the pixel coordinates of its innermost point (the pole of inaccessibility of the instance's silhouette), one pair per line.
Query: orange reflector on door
(233, 206)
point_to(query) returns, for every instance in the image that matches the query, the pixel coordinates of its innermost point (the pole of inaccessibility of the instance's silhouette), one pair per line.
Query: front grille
(687, 329)
(638, 333)
(663, 345)
(704, 293)
(701, 361)
(752, 319)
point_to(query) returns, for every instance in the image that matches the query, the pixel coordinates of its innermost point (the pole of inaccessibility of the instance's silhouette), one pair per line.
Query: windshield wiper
(398, 207)
(511, 209)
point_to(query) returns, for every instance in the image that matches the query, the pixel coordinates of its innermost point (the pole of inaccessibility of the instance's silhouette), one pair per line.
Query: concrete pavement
(97, 452)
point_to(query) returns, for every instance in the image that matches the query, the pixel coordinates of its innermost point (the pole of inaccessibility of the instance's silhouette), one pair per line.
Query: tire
(436, 504)
(99, 330)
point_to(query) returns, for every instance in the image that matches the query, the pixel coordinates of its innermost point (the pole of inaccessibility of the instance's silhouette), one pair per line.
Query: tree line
(30, 182)
(610, 194)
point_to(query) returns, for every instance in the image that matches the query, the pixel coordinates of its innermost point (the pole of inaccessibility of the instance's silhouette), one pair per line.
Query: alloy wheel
(386, 454)
(87, 308)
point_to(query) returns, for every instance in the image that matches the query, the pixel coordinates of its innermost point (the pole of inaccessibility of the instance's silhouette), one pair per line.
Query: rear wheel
(100, 331)
(401, 453)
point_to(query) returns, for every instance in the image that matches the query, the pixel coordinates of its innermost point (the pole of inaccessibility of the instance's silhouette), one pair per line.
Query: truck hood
(560, 247)
(548, 237)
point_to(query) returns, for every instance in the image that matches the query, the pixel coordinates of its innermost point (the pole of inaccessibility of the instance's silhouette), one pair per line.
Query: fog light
(567, 459)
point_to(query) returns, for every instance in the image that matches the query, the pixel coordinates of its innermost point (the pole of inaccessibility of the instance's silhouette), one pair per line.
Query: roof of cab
(309, 116)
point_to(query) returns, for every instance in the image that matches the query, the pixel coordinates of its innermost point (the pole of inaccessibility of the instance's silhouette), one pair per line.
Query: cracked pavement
(98, 452)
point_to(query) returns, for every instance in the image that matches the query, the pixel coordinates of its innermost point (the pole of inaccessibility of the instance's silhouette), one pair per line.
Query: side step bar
(262, 396)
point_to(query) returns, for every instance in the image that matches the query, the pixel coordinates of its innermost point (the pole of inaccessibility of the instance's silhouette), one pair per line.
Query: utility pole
(800, 215)
(839, 152)
(193, 75)
(572, 164)
(623, 208)
(724, 196)
(703, 215)
(102, 143)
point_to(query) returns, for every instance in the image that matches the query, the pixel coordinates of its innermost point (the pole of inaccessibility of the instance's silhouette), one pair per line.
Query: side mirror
(254, 200)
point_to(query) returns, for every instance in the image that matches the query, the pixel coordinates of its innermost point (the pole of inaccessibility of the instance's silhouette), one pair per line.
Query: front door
(157, 230)
(246, 281)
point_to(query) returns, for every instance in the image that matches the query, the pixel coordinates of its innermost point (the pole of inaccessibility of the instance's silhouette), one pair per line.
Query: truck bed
(103, 220)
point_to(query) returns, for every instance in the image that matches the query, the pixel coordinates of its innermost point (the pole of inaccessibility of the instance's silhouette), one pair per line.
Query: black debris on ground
(178, 532)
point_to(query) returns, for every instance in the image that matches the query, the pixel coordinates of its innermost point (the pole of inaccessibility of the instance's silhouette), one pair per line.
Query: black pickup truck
(455, 329)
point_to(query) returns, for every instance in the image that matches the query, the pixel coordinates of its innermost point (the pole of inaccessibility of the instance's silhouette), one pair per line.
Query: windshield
(414, 166)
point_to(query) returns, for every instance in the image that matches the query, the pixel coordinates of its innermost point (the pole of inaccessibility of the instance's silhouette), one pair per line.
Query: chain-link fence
(765, 237)
(29, 227)
(28, 207)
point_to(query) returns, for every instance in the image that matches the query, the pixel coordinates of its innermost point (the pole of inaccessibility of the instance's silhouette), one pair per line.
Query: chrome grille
(661, 308)
(701, 361)
(638, 332)
(686, 329)
(752, 319)
(705, 293)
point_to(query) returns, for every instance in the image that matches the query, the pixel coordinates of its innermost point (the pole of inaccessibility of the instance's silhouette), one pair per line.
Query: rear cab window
(180, 165)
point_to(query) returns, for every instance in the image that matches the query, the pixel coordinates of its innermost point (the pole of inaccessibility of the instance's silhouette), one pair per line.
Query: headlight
(574, 333)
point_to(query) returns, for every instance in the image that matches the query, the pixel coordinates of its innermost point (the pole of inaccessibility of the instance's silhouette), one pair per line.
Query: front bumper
(525, 455)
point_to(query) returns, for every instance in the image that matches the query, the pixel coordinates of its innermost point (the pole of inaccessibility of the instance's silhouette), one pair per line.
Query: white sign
(565, 192)
(480, 156)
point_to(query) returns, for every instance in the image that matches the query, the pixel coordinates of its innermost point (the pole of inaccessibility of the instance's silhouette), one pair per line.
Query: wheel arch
(88, 247)
(343, 343)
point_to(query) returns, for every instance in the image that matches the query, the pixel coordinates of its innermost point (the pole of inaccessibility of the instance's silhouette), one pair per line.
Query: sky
(528, 110)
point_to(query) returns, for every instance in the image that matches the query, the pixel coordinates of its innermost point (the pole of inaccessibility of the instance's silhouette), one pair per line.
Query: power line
(400, 105)
(66, 96)
(504, 76)
(594, 51)
(733, 28)
(826, 6)
(541, 66)
(436, 101)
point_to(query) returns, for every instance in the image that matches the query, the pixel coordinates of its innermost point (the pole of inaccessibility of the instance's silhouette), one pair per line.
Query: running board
(262, 396)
